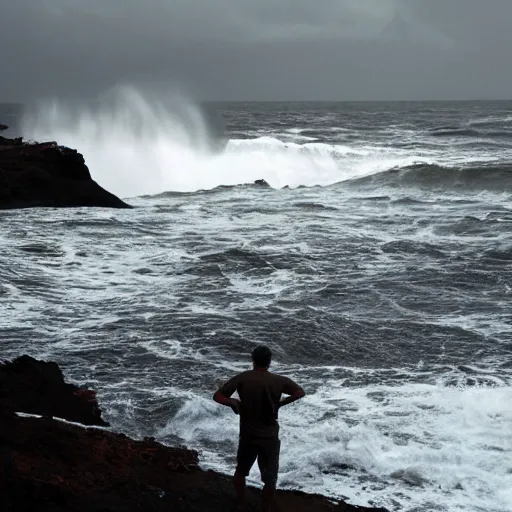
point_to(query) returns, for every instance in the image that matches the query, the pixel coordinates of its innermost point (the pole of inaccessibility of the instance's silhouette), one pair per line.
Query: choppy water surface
(385, 291)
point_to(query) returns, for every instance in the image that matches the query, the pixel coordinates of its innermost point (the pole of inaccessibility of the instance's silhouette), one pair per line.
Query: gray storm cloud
(258, 50)
(227, 20)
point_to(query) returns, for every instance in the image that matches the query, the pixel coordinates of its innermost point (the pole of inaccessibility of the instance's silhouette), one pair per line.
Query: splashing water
(447, 444)
(136, 145)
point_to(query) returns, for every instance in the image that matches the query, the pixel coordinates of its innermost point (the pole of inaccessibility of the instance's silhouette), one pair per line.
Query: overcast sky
(259, 49)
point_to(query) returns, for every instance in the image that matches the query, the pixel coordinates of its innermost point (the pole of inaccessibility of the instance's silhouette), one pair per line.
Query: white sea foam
(449, 447)
(135, 145)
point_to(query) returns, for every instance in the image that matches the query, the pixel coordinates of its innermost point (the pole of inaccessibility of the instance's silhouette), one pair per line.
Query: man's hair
(261, 356)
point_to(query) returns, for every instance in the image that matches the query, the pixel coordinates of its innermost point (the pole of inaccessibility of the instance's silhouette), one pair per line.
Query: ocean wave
(257, 184)
(413, 247)
(501, 254)
(491, 121)
(137, 145)
(274, 144)
(485, 177)
(238, 258)
(469, 132)
(454, 131)
(314, 206)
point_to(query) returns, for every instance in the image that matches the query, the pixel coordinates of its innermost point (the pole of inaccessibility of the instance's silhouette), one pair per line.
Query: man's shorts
(267, 453)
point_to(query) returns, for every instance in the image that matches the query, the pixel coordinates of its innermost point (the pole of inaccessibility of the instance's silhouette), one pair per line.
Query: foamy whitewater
(380, 277)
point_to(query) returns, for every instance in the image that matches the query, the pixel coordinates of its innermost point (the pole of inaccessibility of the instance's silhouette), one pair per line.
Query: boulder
(261, 183)
(37, 387)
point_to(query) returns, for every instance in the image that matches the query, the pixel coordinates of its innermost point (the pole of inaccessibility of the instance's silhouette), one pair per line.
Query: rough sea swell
(386, 291)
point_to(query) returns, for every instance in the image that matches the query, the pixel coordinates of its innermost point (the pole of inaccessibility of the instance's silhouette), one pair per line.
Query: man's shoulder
(243, 375)
(280, 378)
(256, 375)
(261, 376)
(286, 384)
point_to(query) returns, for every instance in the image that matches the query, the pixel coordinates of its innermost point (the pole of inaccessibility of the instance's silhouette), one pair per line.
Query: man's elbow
(220, 398)
(300, 393)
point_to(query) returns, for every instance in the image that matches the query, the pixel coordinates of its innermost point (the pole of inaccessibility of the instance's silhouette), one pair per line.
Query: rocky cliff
(47, 175)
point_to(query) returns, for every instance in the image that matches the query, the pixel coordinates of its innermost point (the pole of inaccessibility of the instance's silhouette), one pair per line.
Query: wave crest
(137, 145)
(495, 178)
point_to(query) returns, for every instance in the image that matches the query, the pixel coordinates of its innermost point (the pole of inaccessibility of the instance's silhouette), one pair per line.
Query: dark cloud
(265, 49)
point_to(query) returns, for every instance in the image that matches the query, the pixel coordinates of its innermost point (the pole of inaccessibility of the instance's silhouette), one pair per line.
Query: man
(260, 399)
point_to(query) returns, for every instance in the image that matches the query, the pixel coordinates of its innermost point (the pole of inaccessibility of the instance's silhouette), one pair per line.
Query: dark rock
(36, 387)
(53, 466)
(47, 175)
(261, 183)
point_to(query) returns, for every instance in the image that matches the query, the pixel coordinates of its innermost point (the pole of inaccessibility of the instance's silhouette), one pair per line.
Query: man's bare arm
(295, 392)
(224, 400)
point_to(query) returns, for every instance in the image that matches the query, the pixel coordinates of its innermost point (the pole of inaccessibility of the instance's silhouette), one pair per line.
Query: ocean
(377, 267)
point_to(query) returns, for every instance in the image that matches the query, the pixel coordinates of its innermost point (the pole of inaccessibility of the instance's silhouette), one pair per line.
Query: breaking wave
(496, 178)
(137, 145)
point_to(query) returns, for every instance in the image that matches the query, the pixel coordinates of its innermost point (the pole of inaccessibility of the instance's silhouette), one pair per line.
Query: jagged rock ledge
(48, 175)
(51, 465)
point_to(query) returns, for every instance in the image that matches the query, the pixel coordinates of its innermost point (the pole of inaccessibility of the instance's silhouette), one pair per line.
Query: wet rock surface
(38, 387)
(48, 175)
(48, 464)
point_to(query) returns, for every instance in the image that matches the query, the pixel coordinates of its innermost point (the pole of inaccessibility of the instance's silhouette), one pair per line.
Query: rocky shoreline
(76, 463)
(47, 175)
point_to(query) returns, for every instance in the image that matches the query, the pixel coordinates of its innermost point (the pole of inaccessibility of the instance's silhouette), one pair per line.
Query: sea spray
(142, 144)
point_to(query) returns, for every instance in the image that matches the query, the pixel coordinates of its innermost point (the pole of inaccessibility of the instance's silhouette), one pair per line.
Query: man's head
(261, 356)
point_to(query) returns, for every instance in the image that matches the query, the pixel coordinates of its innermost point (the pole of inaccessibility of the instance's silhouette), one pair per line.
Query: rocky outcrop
(261, 183)
(37, 387)
(50, 465)
(48, 175)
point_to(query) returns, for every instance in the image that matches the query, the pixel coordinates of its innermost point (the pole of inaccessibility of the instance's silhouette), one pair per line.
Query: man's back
(260, 399)
(260, 394)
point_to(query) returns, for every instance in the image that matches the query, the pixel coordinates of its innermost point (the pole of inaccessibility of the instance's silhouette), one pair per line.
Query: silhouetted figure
(260, 399)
